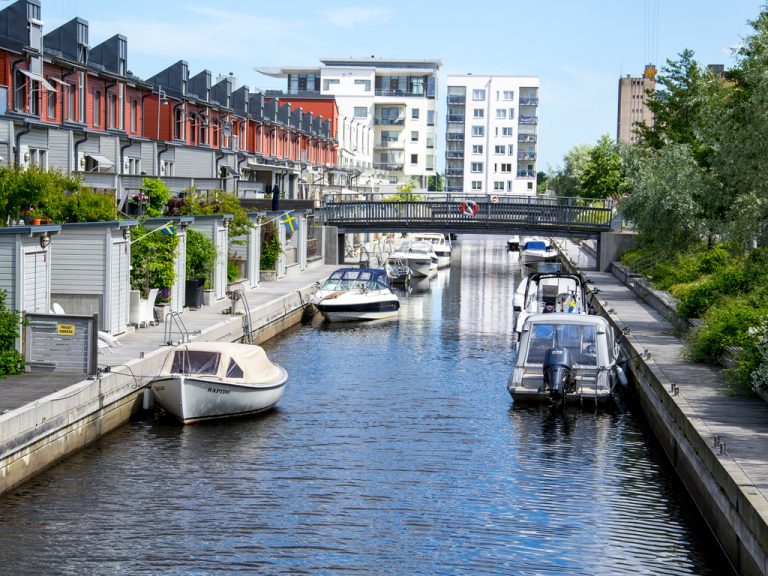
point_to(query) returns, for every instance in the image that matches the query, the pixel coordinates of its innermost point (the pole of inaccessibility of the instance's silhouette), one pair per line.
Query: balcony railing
(526, 156)
(454, 171)
(387, 166)
(454, 136)
(400, 93)
(526, 173)
(526, 137)
(455, 117)
(457, 99)
(389, 144)
(455, 155)
(389, 121)
(529, 101)
(454, 188)
(528, 120)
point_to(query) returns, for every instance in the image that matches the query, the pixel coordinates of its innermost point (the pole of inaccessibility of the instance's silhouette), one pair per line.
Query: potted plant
(270, 249)
(201, 257)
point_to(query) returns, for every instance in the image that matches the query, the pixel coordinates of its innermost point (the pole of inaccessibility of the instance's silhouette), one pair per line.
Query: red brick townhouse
(67, 106)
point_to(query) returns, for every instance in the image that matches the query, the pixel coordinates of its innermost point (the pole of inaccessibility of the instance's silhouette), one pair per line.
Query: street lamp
(161, 99)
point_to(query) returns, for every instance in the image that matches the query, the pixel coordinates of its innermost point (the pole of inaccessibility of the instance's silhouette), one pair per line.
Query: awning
(101, 160)
(229, 170)
(57, 81)
(38, 78)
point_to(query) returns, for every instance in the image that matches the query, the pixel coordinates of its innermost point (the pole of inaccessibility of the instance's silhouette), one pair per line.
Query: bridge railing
(465, 212)
(357, 196)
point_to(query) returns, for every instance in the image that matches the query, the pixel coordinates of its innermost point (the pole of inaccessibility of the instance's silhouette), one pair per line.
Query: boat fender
(622, 376)
(469, 208)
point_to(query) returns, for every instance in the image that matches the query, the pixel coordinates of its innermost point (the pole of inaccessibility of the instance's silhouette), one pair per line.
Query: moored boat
(441, 244)
(419, 256)
(356, 294)
(534, 251)
(202, 381)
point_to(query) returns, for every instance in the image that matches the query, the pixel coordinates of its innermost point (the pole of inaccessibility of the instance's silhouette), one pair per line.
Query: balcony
(526, 137)
(457, 99)
(529, 101)
(389, 144)
(398, 93)
(455, 155)
(454, 136)
(526, 174)
(389, 121)
(388, 167)
(526, 156)
(456, 118)
(528, 120)
(454, 171)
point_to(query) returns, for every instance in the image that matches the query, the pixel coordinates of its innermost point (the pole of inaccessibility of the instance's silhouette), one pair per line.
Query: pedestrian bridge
(476, 214)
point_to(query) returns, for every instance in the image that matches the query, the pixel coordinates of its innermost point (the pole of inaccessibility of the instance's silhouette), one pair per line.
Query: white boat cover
(233, 362)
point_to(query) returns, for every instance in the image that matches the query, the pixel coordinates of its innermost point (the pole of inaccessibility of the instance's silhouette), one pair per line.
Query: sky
(578, 48)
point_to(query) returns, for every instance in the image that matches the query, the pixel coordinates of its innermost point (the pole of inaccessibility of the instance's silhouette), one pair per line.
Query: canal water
(395, 450)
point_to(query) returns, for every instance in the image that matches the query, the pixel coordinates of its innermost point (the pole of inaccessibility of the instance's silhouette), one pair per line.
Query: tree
(435, 183)
(602, 175)
(213, 202)
(567, 181)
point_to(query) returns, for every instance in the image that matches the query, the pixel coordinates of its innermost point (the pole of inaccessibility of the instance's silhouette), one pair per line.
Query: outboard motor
(557, 373)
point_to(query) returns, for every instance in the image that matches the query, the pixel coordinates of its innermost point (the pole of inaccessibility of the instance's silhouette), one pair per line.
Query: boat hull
(196, 399)
(335, 311)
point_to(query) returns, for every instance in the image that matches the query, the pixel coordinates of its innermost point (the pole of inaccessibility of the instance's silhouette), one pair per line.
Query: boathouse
(216, 227)
(25, 267)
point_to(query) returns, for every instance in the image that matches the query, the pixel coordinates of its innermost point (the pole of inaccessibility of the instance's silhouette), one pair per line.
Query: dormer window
(122, 57)
(33, 11)
(82, 43)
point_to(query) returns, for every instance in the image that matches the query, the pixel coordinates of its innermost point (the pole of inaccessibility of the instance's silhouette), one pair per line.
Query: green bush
(89, 206)
(11, 361)
(152, 259)
(270, 245)
(694, 298)
(725, 324)
(201, 256)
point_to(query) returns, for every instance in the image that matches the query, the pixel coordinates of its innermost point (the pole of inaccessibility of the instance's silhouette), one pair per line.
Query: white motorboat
(397, 270)
(420, 257)
(202, 381)
(441, 244)
(549, 292)
(356, 294)
(534, 251)
(513, 243)
(563, 358)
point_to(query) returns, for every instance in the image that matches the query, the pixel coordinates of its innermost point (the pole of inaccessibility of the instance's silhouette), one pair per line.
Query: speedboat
(513, 243)
(549, 292)
(202, 381)
(420, 257)
(397, 270)
(441, 244)
(356, 294)
(534, 251)
(566, 358)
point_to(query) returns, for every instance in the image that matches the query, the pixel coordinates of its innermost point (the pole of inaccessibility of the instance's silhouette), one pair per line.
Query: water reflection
(395, 450)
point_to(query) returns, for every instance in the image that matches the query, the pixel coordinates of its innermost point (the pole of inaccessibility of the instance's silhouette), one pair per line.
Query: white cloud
(350, 16)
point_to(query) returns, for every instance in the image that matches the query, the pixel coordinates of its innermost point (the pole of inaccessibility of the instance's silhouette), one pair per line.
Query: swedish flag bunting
(169, 229)
(290, 222)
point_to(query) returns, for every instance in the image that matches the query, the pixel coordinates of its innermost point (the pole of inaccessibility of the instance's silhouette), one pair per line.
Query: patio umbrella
(275, 199)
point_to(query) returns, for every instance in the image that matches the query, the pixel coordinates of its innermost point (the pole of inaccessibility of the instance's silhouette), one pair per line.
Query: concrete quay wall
(43, 432)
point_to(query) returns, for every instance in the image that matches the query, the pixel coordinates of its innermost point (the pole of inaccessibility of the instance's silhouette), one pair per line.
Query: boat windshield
(195, 362)
(578, 338)
(354, 278)
(536, 245)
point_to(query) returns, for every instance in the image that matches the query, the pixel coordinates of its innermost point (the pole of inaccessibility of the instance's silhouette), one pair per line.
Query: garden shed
(216, 227)
(91, 273)
(248, 248)
(180, 225)
(25, 267)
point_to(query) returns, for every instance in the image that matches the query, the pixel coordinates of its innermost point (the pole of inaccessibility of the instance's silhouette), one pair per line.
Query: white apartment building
(491, 134)
(388, 110)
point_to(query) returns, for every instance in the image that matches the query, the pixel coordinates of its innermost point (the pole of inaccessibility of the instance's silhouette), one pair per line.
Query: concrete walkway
(17, 391)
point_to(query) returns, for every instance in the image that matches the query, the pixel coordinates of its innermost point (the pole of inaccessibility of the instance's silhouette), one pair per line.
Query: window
(508, 95)
(195, 362)
(478, 113)
(414, 135)
(477, 166)
(478, 130)
(134, 114)
(430, 117)
(96, 108)
(511, 149)
(415, 113)
(506, 167)
(498, 185)
(71, 96)
(509, 186)
(328, 83)
(530, 186)
(478, 94)
(132, 166)
(477, 185)
(366, 84)
(215, 137)
(498, 149)
(511, 113)
(234, 370)
(501, 113)
(506, 131)
(51, 104)
(477, 149)
(203, 139)
(38, 157)
(178, 124)
(167, 168)
(430, 142)
(112, 111)
(430, 162)
(81, 94)
(414, 158)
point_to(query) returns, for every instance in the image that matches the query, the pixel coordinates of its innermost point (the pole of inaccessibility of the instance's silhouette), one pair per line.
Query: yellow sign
(65, 329)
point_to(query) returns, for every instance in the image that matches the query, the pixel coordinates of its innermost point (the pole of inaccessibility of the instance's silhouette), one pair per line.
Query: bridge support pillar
(331, 245)
(611, 246)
